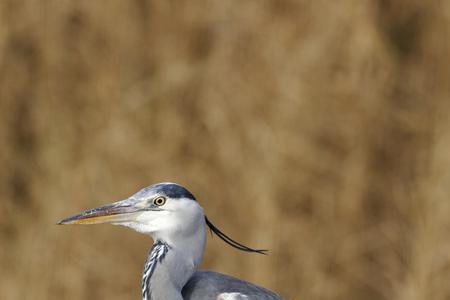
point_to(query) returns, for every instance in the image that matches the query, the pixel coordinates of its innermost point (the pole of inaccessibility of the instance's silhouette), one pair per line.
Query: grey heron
(171, 215)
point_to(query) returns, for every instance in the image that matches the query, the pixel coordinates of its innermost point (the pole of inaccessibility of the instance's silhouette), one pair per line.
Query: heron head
(160, 210)
(155, 210)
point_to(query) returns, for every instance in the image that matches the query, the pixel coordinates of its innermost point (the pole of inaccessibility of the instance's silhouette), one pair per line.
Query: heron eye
(159, 201)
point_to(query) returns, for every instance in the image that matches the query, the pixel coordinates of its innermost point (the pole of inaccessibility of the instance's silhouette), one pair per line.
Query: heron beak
(117, 212)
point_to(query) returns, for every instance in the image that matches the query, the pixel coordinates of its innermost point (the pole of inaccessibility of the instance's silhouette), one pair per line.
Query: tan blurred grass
(318, 129)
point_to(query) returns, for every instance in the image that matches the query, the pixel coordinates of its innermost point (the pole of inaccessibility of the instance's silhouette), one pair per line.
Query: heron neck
(170, 264)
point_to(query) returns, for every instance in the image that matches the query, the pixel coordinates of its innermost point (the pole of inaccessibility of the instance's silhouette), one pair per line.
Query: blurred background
(316, 129)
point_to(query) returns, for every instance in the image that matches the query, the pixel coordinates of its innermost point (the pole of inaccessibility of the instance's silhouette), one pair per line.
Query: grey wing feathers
(206, 285)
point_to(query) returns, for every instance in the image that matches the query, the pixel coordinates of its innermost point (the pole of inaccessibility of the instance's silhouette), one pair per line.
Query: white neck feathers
(170, 264)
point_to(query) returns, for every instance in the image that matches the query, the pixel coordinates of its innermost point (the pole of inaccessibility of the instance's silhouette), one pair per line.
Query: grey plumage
(171, 215)
(207, 285)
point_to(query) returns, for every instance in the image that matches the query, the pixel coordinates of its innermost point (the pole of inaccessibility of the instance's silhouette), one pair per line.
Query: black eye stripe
(169, 190)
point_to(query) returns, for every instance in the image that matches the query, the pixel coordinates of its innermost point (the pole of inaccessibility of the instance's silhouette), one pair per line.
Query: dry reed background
(318, 129)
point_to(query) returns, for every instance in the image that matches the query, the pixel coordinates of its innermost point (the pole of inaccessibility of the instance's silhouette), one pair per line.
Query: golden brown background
(318, 129)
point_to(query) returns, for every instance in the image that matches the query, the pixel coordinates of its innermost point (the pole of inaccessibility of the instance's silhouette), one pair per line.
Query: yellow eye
(159, 201)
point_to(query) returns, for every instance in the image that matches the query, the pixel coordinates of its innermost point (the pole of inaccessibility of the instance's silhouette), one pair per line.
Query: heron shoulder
(232, 296)
(210, 285)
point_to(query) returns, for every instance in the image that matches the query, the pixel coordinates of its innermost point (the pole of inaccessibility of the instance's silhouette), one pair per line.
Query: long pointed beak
(112, 213)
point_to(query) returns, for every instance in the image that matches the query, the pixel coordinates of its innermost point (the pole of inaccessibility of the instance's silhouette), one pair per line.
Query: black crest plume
(230, 241)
